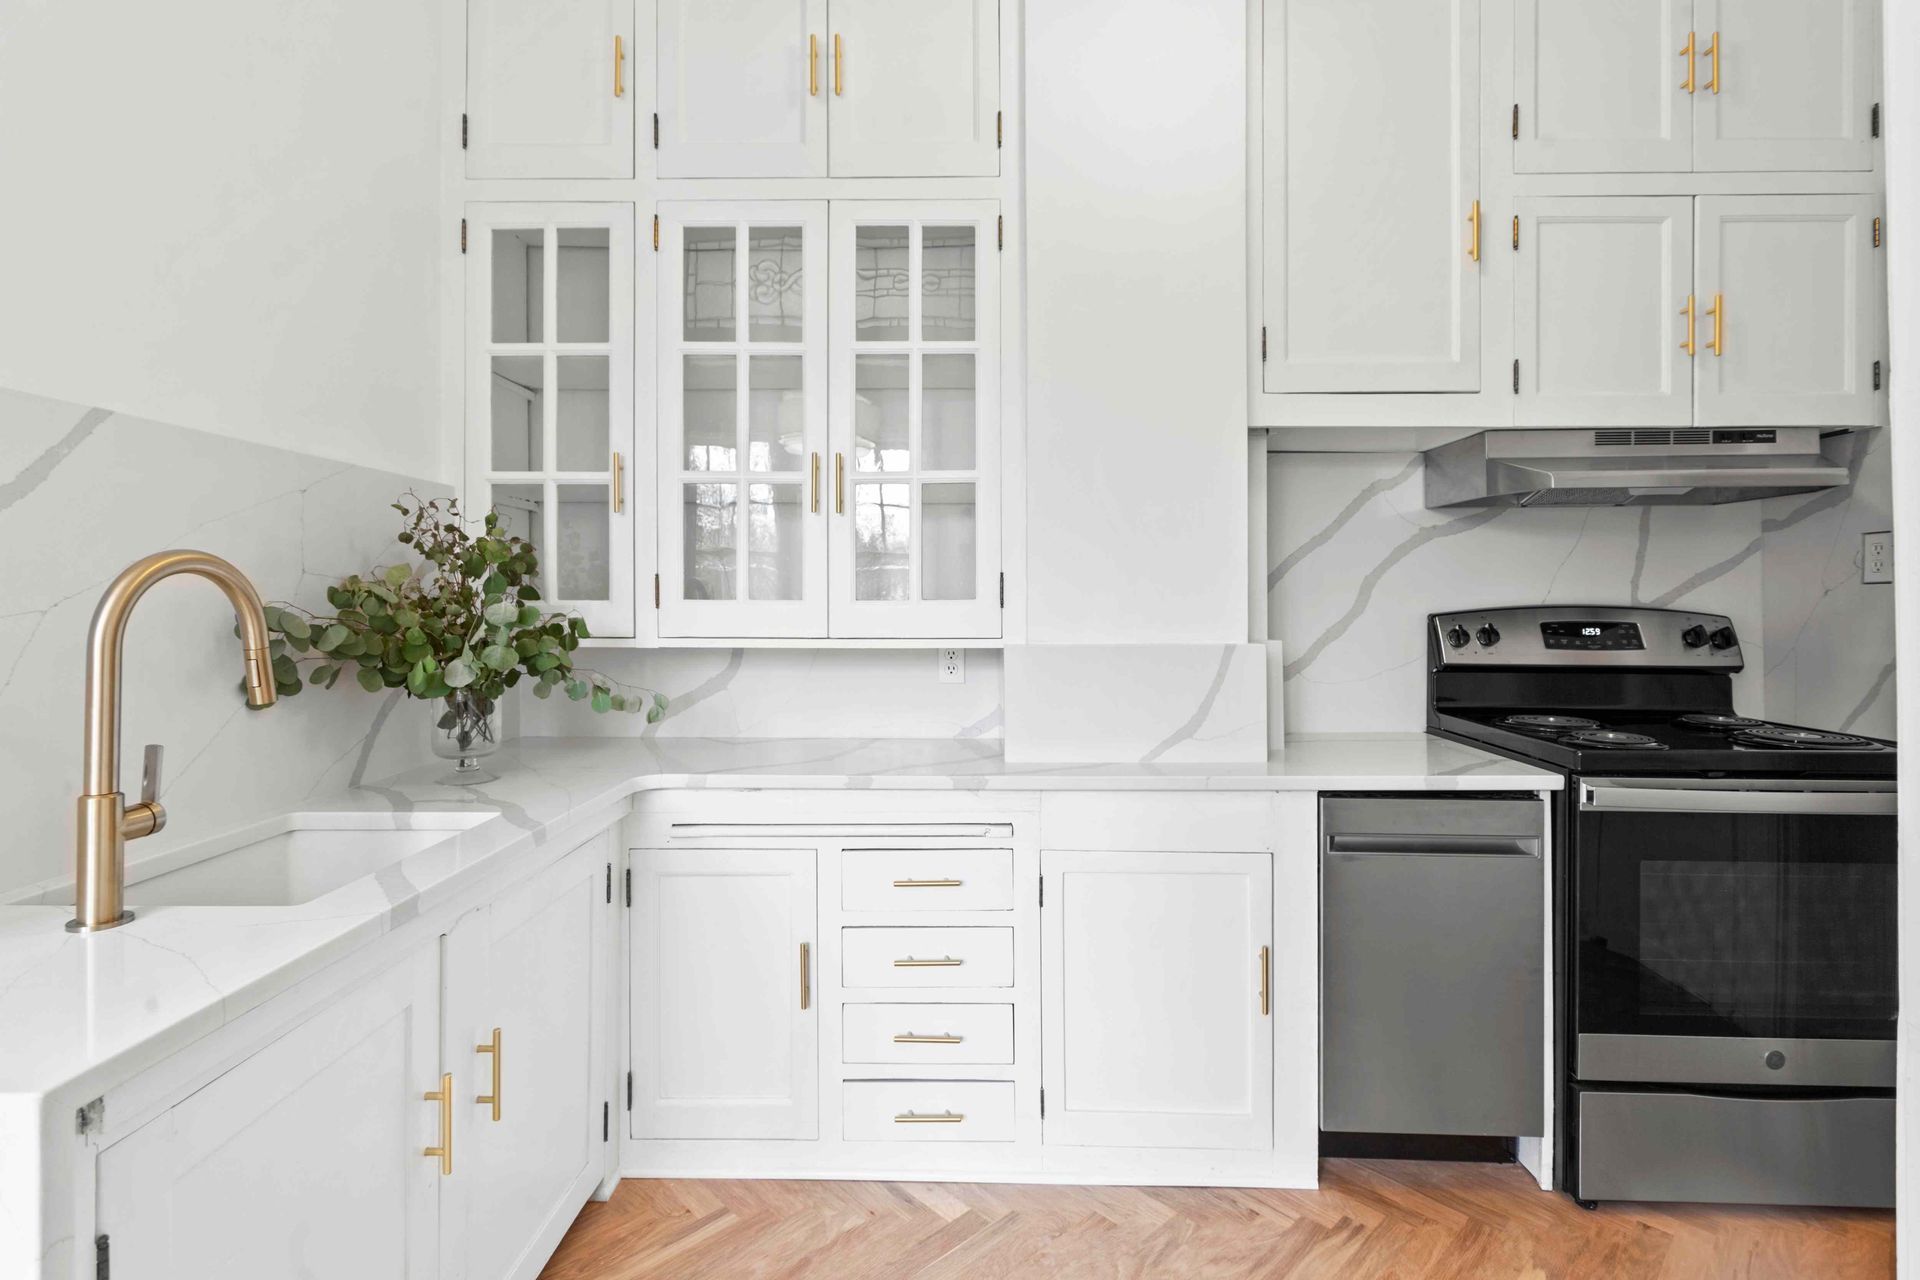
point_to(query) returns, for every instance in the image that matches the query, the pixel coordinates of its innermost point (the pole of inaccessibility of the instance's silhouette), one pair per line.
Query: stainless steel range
(1724, 907)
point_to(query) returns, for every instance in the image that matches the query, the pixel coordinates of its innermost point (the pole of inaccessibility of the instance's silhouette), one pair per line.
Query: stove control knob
(1457, 636)
(1724, 638)
(1488, 635)
(1693, 637)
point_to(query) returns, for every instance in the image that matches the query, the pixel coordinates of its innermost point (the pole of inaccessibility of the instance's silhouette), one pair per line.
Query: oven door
(1736, 932)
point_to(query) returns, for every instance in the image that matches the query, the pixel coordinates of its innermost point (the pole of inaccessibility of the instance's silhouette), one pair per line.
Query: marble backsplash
(83, 493)
(1356, 562)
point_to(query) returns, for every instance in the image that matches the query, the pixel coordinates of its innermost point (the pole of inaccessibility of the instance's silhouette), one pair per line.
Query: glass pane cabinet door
(550, 395)
(915, 414)
(742, 414)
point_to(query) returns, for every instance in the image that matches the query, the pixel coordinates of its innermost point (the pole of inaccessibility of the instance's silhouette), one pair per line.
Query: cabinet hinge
(999, 128)
(1516, 233)
(102, 1258)
(606, 1122)
(656, 233)
(609, 884)
(1043, 1104)
(656, 131)
(1003, 591)
(629, 882)
(1876, 233)
(1873, 120)
(656, 591)
(1043, 891)
(463, 235)
(463, 131)
(1516, 375)
(629, 1090)
(1000, 232)
(90, 1118)
(1263, 344)
(1876, 375)
(1516, 122)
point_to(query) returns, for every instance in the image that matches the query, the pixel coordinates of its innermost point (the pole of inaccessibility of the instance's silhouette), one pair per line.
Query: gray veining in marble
(35, 473)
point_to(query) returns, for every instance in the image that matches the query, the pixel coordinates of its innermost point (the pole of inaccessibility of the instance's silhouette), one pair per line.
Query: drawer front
(927, 1034)
(964, 956)
(926, 879)
(927, 1111)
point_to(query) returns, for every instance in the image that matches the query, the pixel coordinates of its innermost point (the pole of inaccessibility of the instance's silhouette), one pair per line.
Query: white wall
(224, 213)
(1136, 232)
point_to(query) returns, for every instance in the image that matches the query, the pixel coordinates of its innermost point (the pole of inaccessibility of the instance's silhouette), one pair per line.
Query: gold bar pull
(806, 975)
(839, 484)
(492, 1099)
(945, 1117)
(1687, 51)
(444, 1096)
(1689, 346)
(911, 1038)
(839, 56)
(1266, 981)
(944, 962)
(619, 484)
(813, 66)
(1473, 221)
(1718, 314)
(1713, 58)
(619, 67)
(926, 884)
(816, 484)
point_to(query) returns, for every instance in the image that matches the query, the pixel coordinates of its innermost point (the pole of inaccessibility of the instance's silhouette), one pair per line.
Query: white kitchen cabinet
(1371, 215)
(306, 1159)
(1156, 990)
(1793, 304)
(1597, 87)
(1602, 294)
(724, 1028)
(916, 88)
(528, 1041)
(1785, 84)
(743, 88)
(549, 89)
(549, 405)
(742, 414)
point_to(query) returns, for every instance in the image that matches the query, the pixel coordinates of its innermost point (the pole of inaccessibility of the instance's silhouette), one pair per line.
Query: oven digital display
(1591, 635)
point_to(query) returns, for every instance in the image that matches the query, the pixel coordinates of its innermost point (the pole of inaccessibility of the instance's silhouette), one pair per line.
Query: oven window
(1736, 925)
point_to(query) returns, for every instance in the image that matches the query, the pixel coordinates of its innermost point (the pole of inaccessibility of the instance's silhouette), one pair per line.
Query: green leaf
(500, 657)
(460, 674)
(546, 662)
(294, 625)
(577, 689)
(332, 638)
(542, 690)
(602, 700)
(501, 613)
(322, 674)
(618, 702)
(369, 679)
(398, 573)
(529, 614)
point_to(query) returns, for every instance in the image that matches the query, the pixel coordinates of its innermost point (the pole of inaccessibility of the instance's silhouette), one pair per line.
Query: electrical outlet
(1876, 557)
(953, 665)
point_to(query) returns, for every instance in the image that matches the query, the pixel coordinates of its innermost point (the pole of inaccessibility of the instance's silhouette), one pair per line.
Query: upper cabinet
(808, 88)
(1372, 223)
(550, 88)
(1622, 86)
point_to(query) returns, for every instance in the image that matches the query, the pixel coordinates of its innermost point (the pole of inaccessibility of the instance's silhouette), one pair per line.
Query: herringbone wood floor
(1368, 1219)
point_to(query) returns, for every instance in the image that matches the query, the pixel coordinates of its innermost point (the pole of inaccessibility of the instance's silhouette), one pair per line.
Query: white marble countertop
(81, 1011)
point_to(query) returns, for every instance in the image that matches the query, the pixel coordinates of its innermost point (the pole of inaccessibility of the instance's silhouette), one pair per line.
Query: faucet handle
(149, 815)
(150, 773)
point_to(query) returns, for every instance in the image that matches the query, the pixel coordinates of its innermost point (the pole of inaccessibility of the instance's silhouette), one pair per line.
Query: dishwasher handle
(1436, 846)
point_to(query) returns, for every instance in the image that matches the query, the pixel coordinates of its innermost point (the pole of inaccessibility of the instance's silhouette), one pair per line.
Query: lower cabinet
(303, 1160)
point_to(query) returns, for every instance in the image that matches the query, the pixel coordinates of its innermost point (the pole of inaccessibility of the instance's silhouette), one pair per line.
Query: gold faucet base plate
(74, 926)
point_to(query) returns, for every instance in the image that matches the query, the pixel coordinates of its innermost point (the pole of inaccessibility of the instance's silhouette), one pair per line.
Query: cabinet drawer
(929, 1034)
(927, 1111)
(962, 956)
(926, 880)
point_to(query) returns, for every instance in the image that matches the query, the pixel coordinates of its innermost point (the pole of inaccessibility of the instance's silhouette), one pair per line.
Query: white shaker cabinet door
(1793, 311)
(725, 1031)
(549, 89)
(743, 88)
(1372, 159)
(915, 88)
(1785, 84)
(1601, 305)
(304, 1160)
(1599, 86)
(1155, 999)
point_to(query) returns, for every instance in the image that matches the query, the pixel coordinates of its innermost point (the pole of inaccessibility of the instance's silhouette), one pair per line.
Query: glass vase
(466, 729)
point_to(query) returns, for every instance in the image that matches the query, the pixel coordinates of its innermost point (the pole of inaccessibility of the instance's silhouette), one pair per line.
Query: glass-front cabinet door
(550, 395)
(915, 543)
(742, 411)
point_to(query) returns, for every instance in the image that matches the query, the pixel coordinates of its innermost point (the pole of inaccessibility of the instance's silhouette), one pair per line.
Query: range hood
(1634, 467)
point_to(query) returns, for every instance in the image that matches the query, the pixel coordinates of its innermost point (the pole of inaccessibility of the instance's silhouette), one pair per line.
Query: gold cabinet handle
(619, 483)
(1713, 60)
(839, 57)
(1266, 981)
(1718, 314)
(619, 67)
(926, 884)
(815, 484)
(911, 1038)
(839, 484)
(444, 1096)
(945, 1117)
(944, 962)
(1687, 51)
(1689, 346)
(813, 66)
(1473, 243)
(492, 1099)
(806, 975)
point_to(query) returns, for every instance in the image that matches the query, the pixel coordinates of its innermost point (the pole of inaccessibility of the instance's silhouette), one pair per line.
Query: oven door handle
(1645, 796)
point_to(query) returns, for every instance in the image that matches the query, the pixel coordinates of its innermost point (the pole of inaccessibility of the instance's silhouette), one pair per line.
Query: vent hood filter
(1693, 466)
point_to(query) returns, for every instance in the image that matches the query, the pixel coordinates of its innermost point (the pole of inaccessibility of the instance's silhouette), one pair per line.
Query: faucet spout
(105, 821)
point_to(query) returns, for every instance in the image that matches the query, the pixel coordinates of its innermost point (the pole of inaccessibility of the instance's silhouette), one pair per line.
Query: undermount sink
(293, 860)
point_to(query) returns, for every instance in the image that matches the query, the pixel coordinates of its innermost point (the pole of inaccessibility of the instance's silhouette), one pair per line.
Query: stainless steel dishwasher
(1432, 964)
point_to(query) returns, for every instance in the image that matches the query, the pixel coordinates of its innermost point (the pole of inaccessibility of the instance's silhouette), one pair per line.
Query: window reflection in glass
(775, 284)
(946, 412)
(710, 402)
(947, 541)
(882, 529)
(883, 284)
(709, 562)
(946, 284)
(776, 413)
(774, 523)
(581, 569)
(880, 413)
(709, 284)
